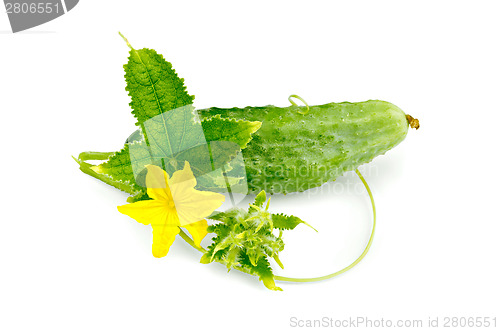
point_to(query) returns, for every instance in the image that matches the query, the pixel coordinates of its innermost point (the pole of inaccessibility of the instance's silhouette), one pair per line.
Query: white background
(70, 261)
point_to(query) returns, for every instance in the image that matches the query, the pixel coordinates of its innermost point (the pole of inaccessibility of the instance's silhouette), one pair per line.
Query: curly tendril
(294, 104)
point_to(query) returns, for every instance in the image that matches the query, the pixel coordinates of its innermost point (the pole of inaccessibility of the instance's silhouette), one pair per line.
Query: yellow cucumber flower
(175, 203)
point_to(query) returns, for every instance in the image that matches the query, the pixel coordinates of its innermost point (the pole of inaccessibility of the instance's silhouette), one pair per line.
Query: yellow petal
(157, 182)
(184, 177)
(163, 237)
(197, 205)
(146, 211)
(182, 182)
(191, 205)
(198, 231)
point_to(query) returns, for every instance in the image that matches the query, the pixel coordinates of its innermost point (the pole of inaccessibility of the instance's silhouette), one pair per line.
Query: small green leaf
(260, 199)
(229, 217)
(229, 129)
(284, 222)
(205, 259)
(220, 229)
(263, 269)
(216, 182)
(278, 261)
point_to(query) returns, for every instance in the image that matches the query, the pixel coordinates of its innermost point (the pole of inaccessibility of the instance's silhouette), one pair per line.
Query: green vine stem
(95, 156)
(313, 279)
(350, 266)
(190, 241)
(87, 169)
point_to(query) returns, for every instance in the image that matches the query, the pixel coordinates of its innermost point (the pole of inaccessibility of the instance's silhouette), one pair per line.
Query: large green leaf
(171, 139)
(171, 133)
(153, 85)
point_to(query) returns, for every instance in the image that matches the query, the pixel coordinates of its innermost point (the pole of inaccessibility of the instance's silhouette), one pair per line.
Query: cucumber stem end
(414, 124)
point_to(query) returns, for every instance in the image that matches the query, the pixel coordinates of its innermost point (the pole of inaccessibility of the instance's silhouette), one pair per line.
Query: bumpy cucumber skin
(293, 152)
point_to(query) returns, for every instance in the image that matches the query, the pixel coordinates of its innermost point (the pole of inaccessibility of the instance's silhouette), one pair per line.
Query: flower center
(171, 204)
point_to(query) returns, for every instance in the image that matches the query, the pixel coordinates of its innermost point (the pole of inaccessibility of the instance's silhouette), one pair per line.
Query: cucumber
(294, 152)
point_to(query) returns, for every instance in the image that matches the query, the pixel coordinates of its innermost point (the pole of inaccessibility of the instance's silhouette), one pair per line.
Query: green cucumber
(294, 152)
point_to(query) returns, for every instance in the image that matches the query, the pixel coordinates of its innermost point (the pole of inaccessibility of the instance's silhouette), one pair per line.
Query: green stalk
(190, 241)
(87, 169)
(95, 156)
(350, 266)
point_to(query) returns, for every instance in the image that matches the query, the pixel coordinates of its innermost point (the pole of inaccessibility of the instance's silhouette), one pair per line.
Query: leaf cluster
(246, 240)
